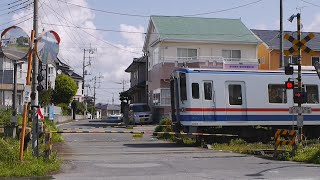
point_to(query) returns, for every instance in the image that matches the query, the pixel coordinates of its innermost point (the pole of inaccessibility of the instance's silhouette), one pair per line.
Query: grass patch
(50, 126)
(129, 127)
(307, 154)
(10, 166)
(137, 135)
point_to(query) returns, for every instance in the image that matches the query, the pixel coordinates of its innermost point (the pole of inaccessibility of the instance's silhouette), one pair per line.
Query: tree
(45, 97)
(65, 89)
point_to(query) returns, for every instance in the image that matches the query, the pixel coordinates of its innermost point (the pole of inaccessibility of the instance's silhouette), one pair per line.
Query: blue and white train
(238, 98)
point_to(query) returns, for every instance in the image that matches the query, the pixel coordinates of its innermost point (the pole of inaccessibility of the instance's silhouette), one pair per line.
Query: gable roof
(202, 29)
(271, 38)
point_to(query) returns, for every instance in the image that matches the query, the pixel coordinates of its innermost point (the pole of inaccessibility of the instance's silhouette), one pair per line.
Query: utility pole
(34, 92)
(94, 89)
(281, 33)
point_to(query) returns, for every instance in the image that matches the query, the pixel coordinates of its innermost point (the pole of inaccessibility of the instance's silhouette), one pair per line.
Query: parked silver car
(140, 113)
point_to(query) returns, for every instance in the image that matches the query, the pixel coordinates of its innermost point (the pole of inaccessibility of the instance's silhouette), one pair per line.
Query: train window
(312, 94)
(235, 94)
(207, 87)
(183, 86)
(277, 93)
(195, 90)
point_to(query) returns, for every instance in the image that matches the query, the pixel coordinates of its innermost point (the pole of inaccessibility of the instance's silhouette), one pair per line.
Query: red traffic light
(289, 84)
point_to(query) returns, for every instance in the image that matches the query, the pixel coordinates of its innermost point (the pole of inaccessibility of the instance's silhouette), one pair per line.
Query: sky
(116, 50)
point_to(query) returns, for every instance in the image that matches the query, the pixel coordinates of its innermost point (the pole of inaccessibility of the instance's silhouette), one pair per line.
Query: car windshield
(140, 108)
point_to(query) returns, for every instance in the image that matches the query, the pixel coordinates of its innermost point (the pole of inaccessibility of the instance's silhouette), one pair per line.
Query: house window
(161, 97)
(185, 53)
(165, 97)
(231, 54)
(314, 59)
(295, 59)
(50, 70)
(155, 56)
(277, 93)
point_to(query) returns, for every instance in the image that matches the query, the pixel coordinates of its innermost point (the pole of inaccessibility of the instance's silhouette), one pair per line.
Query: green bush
(310, 154)
(237, 142)
(66, 110)
(166, 121)
(5, 117)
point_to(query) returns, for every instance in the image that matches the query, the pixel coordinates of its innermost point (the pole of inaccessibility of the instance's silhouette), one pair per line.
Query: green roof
(202, 29)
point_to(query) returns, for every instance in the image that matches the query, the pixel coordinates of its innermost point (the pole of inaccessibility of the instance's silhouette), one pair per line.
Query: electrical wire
(310, 3)
(16, 19)
(18, 23)
(97, 37)
(144, 33)
(72, 20)
(146, 16)
(60, 23)
(24, 7)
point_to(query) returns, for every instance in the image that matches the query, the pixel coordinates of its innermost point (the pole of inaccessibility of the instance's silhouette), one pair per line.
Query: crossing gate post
(285, 137)
(48, 145)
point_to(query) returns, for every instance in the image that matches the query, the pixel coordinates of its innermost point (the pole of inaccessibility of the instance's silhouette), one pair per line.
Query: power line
(15, 19)
(73, 34)
(72, 20)
(97, 37)
(144, 33)
(55, 13)
(19, 23)
(145, 16)
(24, 7)
(310, 3)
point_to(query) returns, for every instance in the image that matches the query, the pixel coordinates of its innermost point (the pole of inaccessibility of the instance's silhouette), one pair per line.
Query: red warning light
(289, 84)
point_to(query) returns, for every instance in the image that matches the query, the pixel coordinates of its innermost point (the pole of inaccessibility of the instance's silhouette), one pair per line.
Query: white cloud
(109, 61)
(315, 25)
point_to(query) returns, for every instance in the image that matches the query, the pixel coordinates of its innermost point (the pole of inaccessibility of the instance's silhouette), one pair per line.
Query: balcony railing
(209, 61)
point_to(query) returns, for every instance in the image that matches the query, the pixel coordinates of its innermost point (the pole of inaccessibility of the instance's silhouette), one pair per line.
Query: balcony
(163, 67)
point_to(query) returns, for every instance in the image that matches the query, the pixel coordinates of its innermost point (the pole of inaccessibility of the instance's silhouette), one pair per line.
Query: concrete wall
(61, 119)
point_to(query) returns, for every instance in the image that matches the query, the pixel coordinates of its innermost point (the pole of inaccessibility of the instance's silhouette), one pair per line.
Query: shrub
(5, 116)
(66, 111)
(237, 142)
(166, 121)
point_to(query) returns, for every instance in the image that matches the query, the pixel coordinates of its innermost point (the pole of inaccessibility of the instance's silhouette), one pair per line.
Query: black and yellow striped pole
(300, 117)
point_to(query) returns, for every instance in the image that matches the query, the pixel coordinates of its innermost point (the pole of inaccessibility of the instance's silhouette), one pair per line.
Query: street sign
(299, 44)
(296, 110)
(27, 93)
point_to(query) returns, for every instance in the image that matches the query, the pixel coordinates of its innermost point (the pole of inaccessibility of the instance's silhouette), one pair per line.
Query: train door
(236, 103)
(208, 103)
(174, 99)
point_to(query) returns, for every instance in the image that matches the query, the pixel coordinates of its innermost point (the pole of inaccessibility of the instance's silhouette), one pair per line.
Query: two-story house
(7, 82)
(269, 50)
(138, 77)
(194, 42)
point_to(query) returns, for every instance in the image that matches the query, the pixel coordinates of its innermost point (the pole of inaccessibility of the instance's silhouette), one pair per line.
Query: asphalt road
(120, 156)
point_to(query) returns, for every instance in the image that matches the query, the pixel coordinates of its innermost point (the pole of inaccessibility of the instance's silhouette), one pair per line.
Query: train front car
(239, 101)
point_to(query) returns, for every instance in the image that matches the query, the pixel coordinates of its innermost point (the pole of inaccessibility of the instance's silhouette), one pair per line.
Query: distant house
(108, 109)
(269, 50)
(193, 42)
(138, 77)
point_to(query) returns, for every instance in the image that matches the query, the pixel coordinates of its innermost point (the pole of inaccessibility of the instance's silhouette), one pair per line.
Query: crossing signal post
(299, 94)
